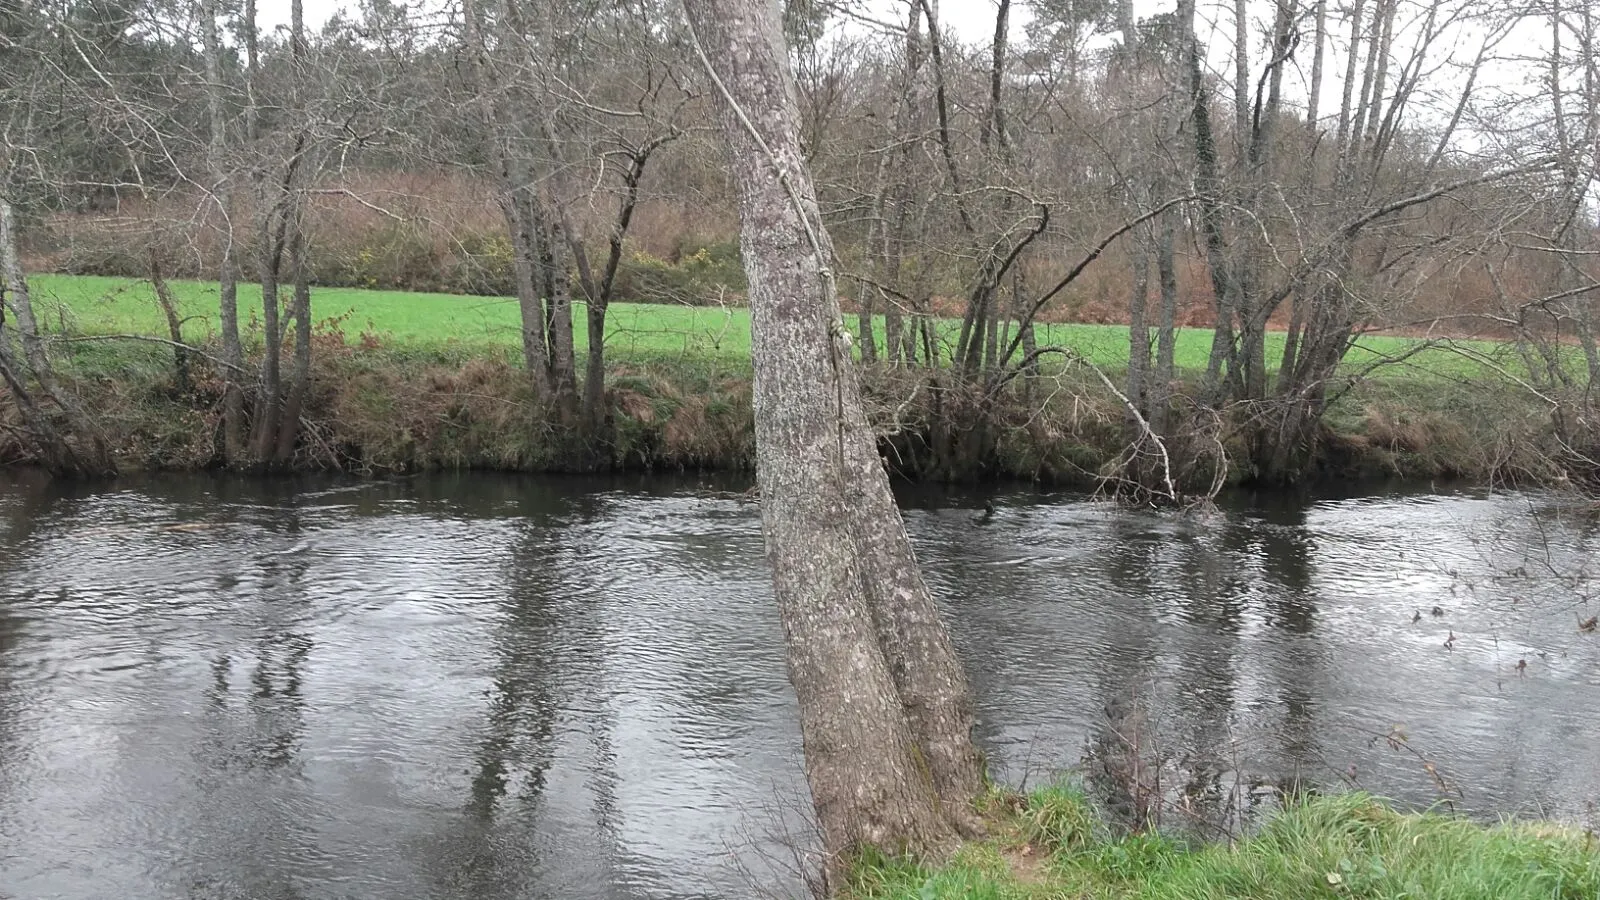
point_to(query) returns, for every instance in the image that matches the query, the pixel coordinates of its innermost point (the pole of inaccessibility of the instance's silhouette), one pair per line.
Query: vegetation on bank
(405, 382)
(1051, 844)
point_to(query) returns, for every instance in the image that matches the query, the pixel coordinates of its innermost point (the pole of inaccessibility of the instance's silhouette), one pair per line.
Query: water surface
(495, 687)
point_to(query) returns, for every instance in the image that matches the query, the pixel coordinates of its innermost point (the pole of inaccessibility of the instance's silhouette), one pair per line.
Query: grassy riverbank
(404, 382)
(1052, 845)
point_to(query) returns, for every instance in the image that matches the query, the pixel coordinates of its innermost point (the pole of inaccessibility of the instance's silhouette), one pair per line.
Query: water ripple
(496, 687)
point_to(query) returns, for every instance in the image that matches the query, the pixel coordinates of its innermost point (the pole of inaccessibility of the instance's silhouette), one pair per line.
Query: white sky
(973, 21)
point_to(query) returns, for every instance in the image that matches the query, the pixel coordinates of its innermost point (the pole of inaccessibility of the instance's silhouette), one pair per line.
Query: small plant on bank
(1059, 819)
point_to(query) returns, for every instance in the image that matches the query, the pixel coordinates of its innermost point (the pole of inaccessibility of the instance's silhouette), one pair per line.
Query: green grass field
(99, 306)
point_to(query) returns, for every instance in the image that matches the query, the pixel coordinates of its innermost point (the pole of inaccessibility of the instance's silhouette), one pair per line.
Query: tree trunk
(1291, 342)
(21, 303)
(885, 712)
(894, 183)
(525, 267)
(233, 447)
(1380, 52)
(1208, 188)
(991, 335)
(1352, 61)
(227, 276)
(294, 220)
(598, 295)
(866, 312)
(300, 375)
(995, 128)
(558, 300)
(1125, 26)
(169, 308)
(594, 373)
(1160, 387)
(1241, 74)
(1023, 315)
(1138, 329)
(1314, 94)
(895, 337)
(1266, 122)
(269, 406)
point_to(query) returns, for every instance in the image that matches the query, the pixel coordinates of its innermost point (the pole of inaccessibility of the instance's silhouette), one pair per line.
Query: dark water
(485, 687)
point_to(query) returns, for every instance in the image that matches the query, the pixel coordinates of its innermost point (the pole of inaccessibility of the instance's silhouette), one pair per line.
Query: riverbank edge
(410, 409)
(1052, 843)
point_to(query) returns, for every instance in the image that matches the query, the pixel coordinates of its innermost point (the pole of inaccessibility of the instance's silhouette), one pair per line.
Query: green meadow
(467, 325)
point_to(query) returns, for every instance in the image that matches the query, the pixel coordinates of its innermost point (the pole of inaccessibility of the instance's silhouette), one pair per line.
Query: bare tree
(36, 93)
(886, 234)
(68, 443)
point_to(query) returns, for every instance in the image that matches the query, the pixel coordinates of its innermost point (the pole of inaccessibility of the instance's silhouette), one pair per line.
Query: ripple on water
(495, 688)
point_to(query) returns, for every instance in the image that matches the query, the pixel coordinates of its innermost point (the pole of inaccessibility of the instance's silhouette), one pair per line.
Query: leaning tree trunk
(169, 308)
(885, 711)
(51, 449)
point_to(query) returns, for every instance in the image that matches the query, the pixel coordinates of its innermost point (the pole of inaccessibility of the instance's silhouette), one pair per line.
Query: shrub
(697, 277)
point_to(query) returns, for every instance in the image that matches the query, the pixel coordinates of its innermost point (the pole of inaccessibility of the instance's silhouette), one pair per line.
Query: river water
(493, 687)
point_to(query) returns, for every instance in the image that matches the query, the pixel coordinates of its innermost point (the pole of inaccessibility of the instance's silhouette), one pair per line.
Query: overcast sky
(973, 21)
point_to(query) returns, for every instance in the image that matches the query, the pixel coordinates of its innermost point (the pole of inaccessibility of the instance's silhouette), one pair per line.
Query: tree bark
(1160, 387)
(1208, 186)
(252, 62)
(556, 282)
(1021, 312)
(1241, 74)
(1138, 329)
(269, 405)
(227, 276)
(1319, 50)
(1352, 61)
(299, 265)
(525, 267)
(21, 304)
(169, 308)
(1130, 35)
(594, 373)
(886, 716)
(300, 375)
(995, 128)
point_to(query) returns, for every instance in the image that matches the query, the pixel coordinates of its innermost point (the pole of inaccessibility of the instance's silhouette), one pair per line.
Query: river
(491, 687)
